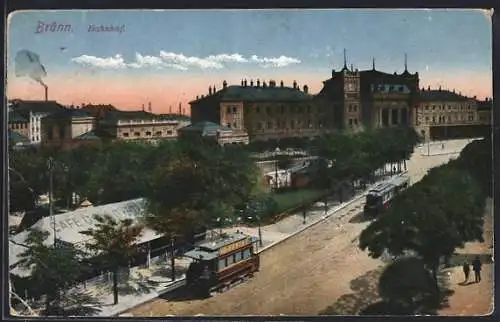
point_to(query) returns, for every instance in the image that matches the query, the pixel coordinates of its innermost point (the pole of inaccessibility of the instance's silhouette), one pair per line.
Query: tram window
(230, 260)
(234, 258)
(222, 263)
(242, 255)
(247, 253)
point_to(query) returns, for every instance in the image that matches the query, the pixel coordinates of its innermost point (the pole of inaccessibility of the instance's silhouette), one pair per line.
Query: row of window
(353, 108)
(442, 118)
(147, 133)
(292, 109)
(231, 109)
(443, 107)
(235, 258)
(19, 126)
(292, 124)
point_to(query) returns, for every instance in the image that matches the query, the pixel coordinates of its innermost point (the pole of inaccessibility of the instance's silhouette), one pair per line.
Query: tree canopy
(431, 218)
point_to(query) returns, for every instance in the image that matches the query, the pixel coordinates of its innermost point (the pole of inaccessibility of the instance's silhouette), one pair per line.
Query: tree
(431, 219)
(53, 269)
(114, 242)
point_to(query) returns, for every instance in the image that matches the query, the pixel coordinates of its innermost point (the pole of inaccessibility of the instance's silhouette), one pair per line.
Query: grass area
(289, 200)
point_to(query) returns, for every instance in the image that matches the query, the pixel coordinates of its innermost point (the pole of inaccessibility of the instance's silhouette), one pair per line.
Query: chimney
(213, 90)
(272, 83)
(294, 84)
(475, 97)
(224, 84)
(352, 68)
(209, 90)
(197, 97)
(242, 83)
(429, 88)
(170, 108)
(440, 88)
(149, 107)
(251, 82)
(143, 107)
(245, 83)
(281, 84)
(180, 108)
(264, 84)
(258, 82)
(306, 89)
(46, 89)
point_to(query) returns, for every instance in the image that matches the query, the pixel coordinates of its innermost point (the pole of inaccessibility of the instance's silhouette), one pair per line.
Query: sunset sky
(169, 57)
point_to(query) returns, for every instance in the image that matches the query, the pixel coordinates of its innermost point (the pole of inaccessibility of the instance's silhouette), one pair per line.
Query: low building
(34, 112)
(135, 125)
(18, 123)
(223, 135)
(445, 114)
(262, 111)
(68, 128)
(17, 140)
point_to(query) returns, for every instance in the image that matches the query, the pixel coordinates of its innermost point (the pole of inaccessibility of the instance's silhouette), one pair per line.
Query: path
(474, 299)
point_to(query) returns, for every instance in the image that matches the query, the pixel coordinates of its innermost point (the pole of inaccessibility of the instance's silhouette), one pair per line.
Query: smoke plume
(28, 64)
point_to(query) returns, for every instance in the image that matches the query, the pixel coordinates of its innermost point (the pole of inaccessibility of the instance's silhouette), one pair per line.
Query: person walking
(476, 266)
(466, 269)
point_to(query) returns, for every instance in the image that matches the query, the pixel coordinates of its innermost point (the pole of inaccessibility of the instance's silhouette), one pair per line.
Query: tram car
(378, 198)
(219, 264)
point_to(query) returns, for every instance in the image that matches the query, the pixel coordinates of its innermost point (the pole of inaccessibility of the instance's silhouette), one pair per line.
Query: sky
(131, 58)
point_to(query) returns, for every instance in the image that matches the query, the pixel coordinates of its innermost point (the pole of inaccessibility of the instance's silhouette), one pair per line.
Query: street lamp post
(304, 216)
(260, 232)
(50, 164)
(172, 256)
(276, 167)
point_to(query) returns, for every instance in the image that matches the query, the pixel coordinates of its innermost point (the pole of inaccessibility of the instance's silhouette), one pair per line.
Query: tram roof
(393, 182)
(221, 242)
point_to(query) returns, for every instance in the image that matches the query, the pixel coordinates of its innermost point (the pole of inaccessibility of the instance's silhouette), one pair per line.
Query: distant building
(17, 140)
(223, 135)
(355, 100)
(136, 125)
(260, 110)
(446, 114)
(485, 111)
(68, 128)
(33, 112)
(17, 122)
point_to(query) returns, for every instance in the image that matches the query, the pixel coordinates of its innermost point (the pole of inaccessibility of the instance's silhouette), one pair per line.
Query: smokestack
(180, 109)
(143, 107)
(46, 89)
(149, 107)
(170, 110)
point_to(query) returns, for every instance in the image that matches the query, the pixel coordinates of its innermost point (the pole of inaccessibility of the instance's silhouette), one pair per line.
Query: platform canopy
(69, 225)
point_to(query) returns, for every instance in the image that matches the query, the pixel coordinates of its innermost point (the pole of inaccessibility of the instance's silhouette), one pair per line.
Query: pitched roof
(205, 128)
(253, 93)
(36, 106)
(69, 112)
(442, 95)
(17, 117)
(91, 135)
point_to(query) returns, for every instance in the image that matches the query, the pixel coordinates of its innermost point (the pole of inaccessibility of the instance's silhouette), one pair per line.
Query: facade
(34, 112)
(356, 100)
(260, 110)
(223, 135)
(67, 129)
(445, 114)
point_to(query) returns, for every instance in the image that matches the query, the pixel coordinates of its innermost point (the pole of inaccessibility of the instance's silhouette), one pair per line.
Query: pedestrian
(476, 266)
(466, 268)
(442, 146)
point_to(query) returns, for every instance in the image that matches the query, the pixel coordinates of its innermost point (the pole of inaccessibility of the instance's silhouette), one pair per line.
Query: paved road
(301, 276)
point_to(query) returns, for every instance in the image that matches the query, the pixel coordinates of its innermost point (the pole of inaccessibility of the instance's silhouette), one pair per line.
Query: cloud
(180, 61)
(115, 62)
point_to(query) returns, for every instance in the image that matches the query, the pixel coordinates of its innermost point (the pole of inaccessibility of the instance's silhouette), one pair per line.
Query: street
(302, 275)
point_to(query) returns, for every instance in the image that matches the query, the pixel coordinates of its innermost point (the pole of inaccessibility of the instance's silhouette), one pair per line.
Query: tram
(379, 197)
(217, 265)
